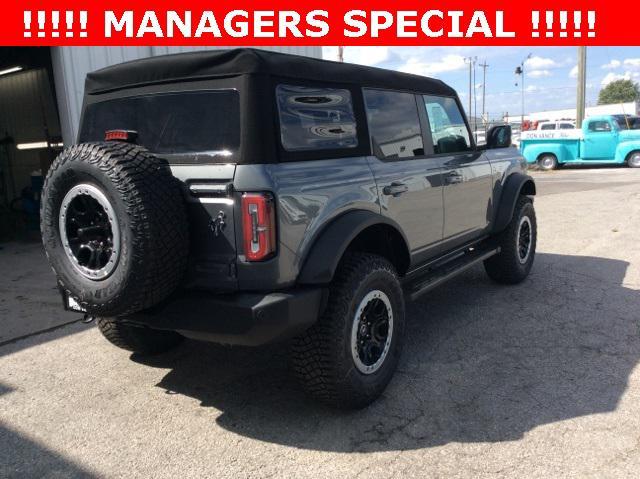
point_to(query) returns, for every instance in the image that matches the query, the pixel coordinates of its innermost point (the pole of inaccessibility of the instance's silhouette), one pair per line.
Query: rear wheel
(349, 356)
(517, 246)
(137, 339)
(633, 160)
(548, 162)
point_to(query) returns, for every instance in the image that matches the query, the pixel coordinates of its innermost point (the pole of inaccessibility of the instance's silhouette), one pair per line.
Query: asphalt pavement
(535, 380)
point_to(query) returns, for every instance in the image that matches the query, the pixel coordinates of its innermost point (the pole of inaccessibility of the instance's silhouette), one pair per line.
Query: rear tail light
(258, 226)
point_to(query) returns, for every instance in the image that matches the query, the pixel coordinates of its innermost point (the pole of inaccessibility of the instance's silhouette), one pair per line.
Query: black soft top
(248, 61)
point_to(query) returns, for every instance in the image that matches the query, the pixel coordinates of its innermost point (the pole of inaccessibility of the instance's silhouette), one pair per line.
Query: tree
(619, 91)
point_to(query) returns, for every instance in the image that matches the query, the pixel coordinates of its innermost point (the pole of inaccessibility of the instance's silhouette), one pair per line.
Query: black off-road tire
(506, 267)
(150, 213)
(138, 339)
(322, 357)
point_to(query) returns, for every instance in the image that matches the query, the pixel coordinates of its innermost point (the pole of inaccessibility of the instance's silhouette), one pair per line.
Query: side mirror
(499, 136)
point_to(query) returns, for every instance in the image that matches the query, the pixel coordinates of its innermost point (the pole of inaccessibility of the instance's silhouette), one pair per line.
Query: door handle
(453, 178)
(395, 189)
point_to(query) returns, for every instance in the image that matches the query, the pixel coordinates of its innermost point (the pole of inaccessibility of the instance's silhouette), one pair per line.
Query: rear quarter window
(171, 123)
(315, 118)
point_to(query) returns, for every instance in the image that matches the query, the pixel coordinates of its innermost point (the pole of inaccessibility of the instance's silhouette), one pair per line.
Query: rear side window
(599, 126)
(186, 122)
(394, 124)
(566, 126)
(316, 118)
(448, 129)
(548, 126)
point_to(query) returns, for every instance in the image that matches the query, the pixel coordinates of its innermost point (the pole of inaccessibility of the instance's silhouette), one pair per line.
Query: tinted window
(316, 118)
(627, 122)
(548, 126)
(448, 129)
(394, 125)
(566, 126)
(599, 126)
(187, 122)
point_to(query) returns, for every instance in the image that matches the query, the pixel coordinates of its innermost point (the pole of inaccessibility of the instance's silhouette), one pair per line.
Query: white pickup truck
(556, 125)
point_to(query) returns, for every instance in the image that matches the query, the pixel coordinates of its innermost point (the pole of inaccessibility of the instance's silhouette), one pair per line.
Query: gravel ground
(536, 380)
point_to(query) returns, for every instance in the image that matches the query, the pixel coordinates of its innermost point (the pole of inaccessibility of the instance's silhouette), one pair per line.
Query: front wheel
(517, 246)
(634, 159)
(349, 356)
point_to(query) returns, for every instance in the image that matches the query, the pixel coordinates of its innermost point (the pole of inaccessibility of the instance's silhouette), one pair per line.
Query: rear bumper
(241, 318)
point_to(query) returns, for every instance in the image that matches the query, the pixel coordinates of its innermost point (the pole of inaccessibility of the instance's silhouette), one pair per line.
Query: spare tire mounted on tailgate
(114, 227)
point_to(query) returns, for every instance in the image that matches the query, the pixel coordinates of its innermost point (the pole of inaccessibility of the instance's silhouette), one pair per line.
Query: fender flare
(514, 185)
(624, 149)
(323, 256)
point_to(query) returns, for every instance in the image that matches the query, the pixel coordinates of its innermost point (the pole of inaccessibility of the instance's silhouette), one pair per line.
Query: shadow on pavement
(481, 363)
(22, 457)
(30, 304)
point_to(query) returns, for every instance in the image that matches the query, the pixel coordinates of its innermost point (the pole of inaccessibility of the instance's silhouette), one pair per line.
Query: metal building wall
(28, 115)
(71, 65)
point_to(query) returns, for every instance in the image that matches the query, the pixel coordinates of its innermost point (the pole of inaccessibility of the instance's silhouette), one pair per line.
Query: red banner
(306, 22)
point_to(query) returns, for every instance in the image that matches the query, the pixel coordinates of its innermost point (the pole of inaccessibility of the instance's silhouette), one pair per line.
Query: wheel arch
(358, 230)
(630, 152)
(546, 153)
(515, 185)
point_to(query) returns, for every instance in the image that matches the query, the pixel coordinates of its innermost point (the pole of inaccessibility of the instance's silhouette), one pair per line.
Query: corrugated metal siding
(71, 65)
(28, 109)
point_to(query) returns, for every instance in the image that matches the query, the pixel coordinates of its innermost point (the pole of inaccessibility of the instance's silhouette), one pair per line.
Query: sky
(550, 73)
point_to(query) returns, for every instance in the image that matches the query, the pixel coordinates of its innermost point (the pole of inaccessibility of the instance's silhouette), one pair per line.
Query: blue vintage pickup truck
(602, 139)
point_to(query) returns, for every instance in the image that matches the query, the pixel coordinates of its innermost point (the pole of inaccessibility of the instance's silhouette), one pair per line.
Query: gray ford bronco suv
(246, 197)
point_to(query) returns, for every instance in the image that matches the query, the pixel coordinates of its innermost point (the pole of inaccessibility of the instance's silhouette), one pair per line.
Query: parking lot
(539, 379)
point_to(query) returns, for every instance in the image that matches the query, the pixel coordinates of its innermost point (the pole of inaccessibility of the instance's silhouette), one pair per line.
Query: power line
(541, 90)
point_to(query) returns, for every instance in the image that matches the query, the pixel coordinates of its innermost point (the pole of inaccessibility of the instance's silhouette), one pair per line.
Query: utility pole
(522, 112)
(341, 54)
(484, 88)
(475, 104)
(468, 59)
(582, 85)
(520, 71)
(472, 61)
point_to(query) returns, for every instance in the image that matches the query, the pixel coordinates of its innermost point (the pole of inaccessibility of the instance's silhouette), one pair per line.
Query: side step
(438, 275)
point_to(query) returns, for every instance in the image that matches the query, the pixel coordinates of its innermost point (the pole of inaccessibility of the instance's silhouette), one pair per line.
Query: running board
(437, 276)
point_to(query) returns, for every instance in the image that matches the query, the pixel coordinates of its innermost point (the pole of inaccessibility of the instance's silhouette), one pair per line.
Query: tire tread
(137, 339)
(503, 267)
(315, 359)
(155, 210)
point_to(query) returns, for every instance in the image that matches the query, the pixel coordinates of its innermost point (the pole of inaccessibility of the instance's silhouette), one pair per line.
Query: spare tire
(114, 227)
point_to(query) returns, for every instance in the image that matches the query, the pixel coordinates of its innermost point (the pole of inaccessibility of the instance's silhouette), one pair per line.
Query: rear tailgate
(198, 133)
(208, 193)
